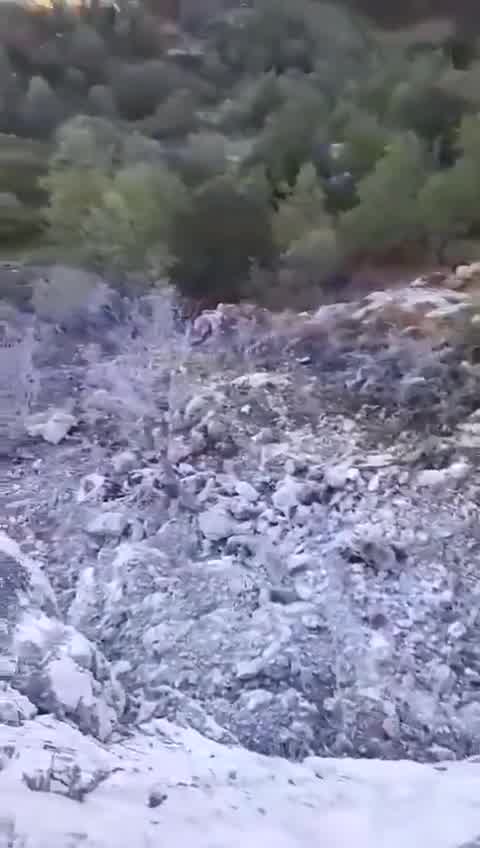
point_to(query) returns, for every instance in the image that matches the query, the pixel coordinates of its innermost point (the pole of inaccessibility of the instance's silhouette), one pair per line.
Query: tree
(87, 142)
(448, 205)
(87, 52)
(217, 240)
(139, 88)
(387, 219)
(287, 140)
(448, 202)
(302, 211)
(41, 111)
(129, 227)
(73, 193)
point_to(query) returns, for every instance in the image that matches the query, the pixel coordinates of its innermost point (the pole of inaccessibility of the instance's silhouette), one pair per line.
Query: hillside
(126, 141)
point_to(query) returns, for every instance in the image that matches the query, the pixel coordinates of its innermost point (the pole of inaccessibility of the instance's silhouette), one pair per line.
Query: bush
(448, 205)
(23, 163)
(203, 157)
(364, 142)
(387, 220)
(85, 142)
(100, 101)
(315, 253)
(139, 88)
(73, 193)
(41, 111)
(302, 211)
(287, 140)
(216, 241)
(254, 102)
(18, 222)
(449, 200)
(279, 35)
(110, 199)
(429, 110)
(130, 227)
(175, 117)
(87, 52)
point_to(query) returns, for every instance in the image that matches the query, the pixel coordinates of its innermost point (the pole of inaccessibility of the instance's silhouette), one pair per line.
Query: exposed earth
(264, 529)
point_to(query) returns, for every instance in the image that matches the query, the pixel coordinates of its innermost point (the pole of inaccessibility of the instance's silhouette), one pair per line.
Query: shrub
(87, 52)
(22, 165)
(101, 102)
(87, 142)
(18, 222)
(427, 109)
(315, 252)
(449, 200)
(175, 117)
(287, 139)
(73, 193)
(302, 211)
(137, 149)
(226, 229)
(129, 228)
(278, 35)
(365, 140)
(254, 102)
(204, 156)
(387, 218)
(448, 205)
(139, 88)
(41, 111)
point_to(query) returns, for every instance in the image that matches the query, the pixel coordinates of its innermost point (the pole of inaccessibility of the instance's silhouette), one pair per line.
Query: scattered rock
(53, 425)
(433, 478)
(14, 707)
(216, 524)
(107, 524)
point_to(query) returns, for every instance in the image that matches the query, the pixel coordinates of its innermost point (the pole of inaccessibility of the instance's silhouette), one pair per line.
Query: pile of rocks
(264, 546)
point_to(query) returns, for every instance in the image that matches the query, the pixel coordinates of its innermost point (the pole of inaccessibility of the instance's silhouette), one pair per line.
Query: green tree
(87, 52)
(216, 241)
(41, 111)
(302, 211)
(448, 202)
(130, 226)
(73, 193)
(287, 140)
(448, 205)
(364, 142)
(387, 217)
(87, 142)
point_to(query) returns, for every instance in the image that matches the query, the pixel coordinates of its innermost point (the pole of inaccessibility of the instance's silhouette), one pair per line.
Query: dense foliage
(296, 138)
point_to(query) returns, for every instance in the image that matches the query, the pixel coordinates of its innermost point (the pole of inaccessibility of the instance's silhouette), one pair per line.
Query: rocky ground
(265, 529)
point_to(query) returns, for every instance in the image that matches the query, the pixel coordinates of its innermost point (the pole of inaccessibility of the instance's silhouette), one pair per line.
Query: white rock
(108, 524)
(53, 425)
(337, 476)
(216, 523)
(459, 470)
(297, 562)
(14, 707)
(456, 630)
(124, 461)
(287, 495)
(246, 491)
(437, 477)
(91, 488)
(260, 380)
(197, 407)
(467, 272)
(248, 669)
